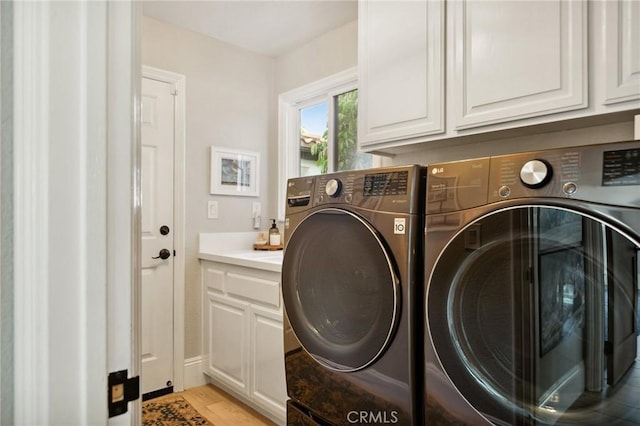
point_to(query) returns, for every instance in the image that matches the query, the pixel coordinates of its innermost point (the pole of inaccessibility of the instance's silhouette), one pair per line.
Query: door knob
(164, 254)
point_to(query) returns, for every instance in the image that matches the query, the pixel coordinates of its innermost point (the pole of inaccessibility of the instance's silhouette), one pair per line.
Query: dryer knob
(333, 187)
(536, 173)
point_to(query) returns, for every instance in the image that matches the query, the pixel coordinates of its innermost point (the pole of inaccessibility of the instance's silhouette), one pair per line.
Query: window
(314, 133)
(318, 131)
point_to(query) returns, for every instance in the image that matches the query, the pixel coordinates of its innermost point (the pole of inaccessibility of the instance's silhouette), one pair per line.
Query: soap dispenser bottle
(274, 234)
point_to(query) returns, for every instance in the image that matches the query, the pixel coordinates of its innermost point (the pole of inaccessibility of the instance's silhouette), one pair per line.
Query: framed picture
(235, 172)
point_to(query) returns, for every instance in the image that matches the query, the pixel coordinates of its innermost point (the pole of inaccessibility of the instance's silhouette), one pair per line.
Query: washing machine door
(533, 315)
(340, 289)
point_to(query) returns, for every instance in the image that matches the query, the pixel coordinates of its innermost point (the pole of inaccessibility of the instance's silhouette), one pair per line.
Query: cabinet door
(622, 42)
(227, 341)
(516, 59)
(400, 70)
(269, 386)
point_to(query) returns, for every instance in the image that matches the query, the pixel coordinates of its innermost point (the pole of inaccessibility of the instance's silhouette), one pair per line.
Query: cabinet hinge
(122, 390)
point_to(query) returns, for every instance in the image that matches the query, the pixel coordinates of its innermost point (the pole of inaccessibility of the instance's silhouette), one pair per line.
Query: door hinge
(122, 390)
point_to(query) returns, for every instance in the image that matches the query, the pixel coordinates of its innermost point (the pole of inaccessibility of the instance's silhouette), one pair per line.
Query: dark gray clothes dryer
(351, 284)
(531, 267)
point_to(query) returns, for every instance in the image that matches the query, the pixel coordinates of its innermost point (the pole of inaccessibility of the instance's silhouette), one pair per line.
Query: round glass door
(533, 312)
(340, 289)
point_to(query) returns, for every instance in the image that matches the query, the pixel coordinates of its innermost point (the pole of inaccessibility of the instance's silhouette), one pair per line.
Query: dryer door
(533, 314)
(340, 289)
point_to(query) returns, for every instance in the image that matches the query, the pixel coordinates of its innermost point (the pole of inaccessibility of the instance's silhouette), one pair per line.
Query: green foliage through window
(347, 156)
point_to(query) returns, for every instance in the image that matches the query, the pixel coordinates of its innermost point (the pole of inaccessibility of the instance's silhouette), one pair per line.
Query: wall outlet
(212, 209)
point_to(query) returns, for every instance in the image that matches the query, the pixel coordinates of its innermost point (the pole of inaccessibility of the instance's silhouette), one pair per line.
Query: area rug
(171, 411)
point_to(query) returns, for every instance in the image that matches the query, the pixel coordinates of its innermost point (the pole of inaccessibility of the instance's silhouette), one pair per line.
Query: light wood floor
(222, 409)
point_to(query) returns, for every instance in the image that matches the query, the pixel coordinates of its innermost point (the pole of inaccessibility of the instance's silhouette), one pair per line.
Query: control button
(348, 198)
(569, 188)
(504, 191)
(333, 188)
(536, 173)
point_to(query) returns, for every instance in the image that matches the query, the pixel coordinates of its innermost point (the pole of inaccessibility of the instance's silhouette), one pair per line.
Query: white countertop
(236, 248)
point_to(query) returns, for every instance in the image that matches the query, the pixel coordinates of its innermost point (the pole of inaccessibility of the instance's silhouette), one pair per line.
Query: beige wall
(228, 102)
(326, 55)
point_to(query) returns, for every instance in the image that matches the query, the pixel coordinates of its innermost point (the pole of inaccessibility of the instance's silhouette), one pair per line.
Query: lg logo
(372, 417)
(437, 170)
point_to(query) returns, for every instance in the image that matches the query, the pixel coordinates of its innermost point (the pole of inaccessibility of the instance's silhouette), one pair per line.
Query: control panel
(299, 191)
(554, 173)
(385, 189)
(598, 173)
(621, 167)
(381, 184)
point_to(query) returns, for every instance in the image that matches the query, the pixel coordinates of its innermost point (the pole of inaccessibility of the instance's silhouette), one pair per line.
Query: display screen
(621, 167)
(394, 183)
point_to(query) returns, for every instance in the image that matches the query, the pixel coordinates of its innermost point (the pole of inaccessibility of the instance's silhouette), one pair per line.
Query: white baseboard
(193, 375)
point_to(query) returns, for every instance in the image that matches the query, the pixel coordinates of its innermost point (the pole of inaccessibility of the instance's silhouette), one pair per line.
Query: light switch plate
(212, 209)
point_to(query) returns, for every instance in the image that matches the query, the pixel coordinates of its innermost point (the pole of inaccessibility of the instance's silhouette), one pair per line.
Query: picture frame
(235, 172)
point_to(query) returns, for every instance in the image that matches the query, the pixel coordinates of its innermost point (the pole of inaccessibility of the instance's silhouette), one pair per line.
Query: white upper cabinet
(622, 50)
(517, 59)
(401, 70)
(439, 70)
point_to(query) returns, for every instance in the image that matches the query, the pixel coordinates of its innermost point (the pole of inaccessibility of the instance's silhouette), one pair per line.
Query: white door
(157, 251)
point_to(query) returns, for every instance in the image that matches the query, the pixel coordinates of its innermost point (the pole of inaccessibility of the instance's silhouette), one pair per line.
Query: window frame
(289, 103)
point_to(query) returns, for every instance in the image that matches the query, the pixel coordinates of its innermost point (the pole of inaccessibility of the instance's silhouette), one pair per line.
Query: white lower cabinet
(228, 341)
(243, 335)
(267, 362)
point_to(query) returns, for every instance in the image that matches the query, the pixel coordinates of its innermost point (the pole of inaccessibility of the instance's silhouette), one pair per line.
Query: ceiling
(268, 27)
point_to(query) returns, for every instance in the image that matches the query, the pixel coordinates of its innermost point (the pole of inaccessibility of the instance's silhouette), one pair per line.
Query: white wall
(228, 103)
